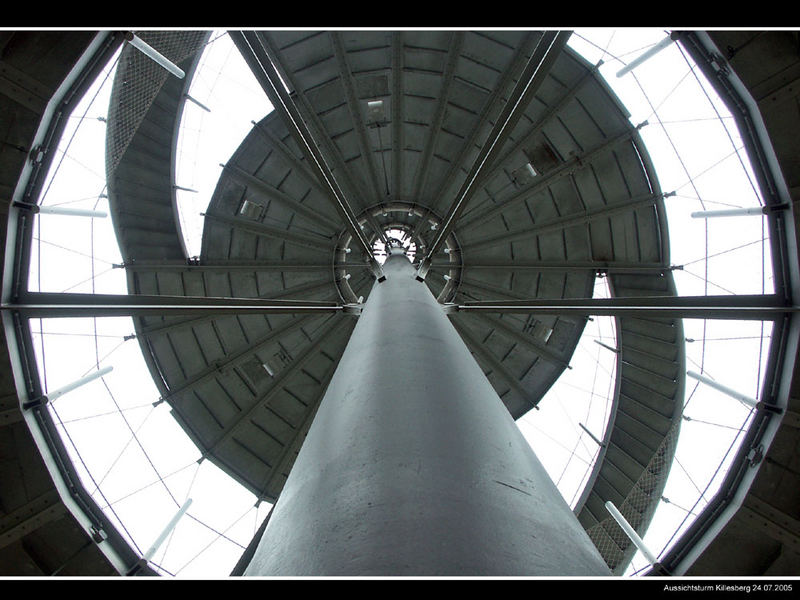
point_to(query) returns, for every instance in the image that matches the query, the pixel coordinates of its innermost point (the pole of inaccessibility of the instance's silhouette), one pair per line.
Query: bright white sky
(143, 467)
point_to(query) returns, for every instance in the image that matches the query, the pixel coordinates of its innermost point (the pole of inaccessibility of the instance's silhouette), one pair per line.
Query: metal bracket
(756, 455)
(768, 407)
(719, 64)
(377, 270)
(422, 271)
(352, 309)
(34, 208)
(35, 403)
(450, 308)
(37, 154)
(98, 535)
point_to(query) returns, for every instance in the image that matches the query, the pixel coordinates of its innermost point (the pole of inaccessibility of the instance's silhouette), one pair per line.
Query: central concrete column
(413, 465)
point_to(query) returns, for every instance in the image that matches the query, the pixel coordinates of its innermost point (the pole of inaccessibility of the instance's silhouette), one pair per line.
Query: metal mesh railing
(638, 507)
(137, 83)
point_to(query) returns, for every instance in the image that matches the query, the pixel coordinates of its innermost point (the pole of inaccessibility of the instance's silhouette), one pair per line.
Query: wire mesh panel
(609, 538)
(142, 78)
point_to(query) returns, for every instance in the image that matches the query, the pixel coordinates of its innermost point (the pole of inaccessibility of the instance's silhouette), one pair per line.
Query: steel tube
(646, 55)
(531, 78)
(78, 383)
(255, 54)
(630, 532)
(63, 311)
(71, 212)
(736, 307)
(752, 402)
(413, 465)
(62, 305)
(731, 212)
(51, 396)
(155, 55)
(167, 530)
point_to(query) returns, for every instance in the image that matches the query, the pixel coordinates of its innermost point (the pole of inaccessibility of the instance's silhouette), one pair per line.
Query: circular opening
(398, 238)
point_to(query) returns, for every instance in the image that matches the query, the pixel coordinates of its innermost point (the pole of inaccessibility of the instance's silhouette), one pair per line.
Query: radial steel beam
(277, 384)
(260, 63)
(435, 128)
(284, 462)
(560, 266)
(312, 242)
(508, 331)
(236, 265)
(62, 305)
(535, 72)
(355, 112)
(500, 293)
(273, 143)
(493, 106)
(269, 192)
(354, 190)
(564, 222)
(397, 111)
(520, 143)
(413, 466)
(235, 358)
(494, 363)
(741, 307)
(294, 291)
(477, 217)
(552, 112)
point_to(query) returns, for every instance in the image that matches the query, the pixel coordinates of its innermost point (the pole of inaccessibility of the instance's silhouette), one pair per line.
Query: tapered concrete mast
(413, 466)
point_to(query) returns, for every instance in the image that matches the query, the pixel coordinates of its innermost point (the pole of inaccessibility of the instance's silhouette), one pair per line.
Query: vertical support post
(414, 466)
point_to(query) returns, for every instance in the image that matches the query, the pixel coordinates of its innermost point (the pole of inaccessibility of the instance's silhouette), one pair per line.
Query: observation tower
(397, 263)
